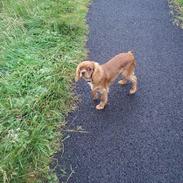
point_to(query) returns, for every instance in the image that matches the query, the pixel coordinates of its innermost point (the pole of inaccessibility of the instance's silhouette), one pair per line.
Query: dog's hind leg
(129, 75)
(123, 81)
(133, 79)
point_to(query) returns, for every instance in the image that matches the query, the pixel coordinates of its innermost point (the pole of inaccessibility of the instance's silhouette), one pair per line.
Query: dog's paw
(100, 107)
(122, 82)
(133, 91)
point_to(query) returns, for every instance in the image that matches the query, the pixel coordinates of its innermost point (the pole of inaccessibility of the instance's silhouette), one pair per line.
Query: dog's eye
(89, 69)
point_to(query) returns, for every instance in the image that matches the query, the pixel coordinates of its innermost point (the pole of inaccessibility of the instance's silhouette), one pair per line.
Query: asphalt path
(136, 139)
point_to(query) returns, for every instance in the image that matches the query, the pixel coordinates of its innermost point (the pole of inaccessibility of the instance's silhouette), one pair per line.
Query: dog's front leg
(93, 91)
(94, 94)
(103, 99)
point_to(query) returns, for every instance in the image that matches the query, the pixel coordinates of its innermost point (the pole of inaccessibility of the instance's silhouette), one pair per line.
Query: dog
(100, 77)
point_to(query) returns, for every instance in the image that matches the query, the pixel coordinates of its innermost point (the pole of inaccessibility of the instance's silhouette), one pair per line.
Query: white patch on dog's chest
(91, 85)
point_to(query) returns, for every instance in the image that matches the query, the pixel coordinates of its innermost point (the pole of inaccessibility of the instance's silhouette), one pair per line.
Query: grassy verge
(177, 11)
(40, 44)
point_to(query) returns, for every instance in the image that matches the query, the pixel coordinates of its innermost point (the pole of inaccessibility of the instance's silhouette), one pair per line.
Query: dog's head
(85, 70)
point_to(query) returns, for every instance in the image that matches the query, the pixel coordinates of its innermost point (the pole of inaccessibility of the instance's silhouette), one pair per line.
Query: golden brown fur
(100, 77)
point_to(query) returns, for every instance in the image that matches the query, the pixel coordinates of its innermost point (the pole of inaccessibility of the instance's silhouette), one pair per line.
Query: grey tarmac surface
(136, 139)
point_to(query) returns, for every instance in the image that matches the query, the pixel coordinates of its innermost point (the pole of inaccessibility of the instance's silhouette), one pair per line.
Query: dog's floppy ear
(97, 72)
(77, 77)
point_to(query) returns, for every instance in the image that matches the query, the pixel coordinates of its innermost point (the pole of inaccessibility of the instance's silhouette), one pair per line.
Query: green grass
(180, 2)
(178, 11)
(41, 41)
